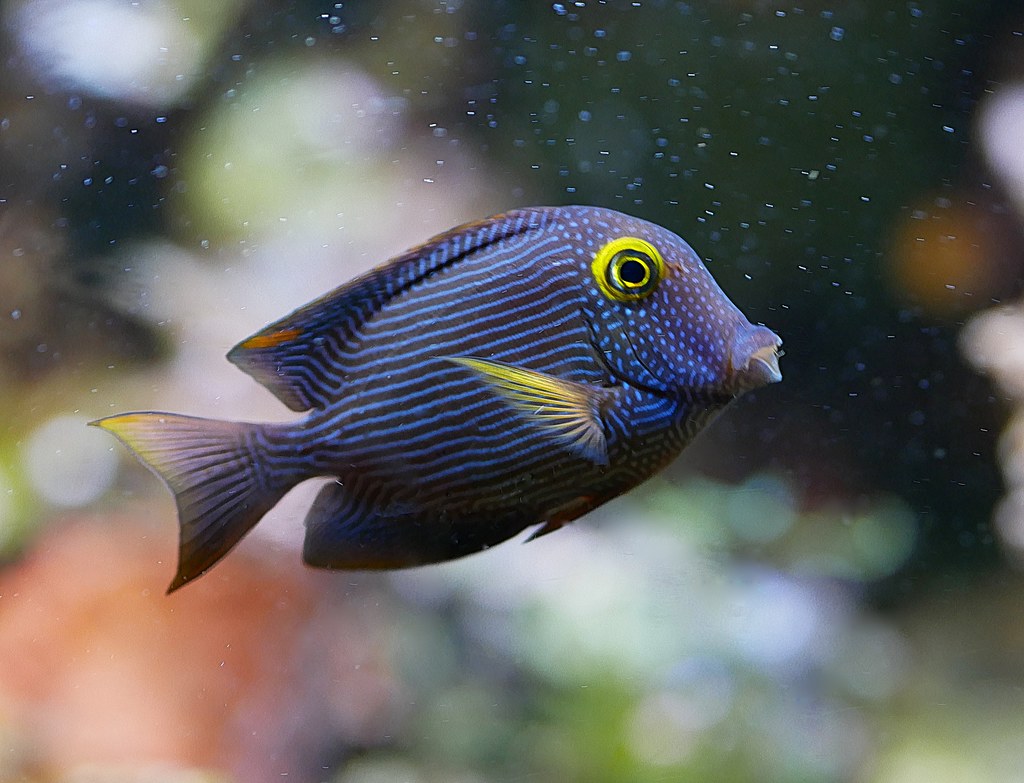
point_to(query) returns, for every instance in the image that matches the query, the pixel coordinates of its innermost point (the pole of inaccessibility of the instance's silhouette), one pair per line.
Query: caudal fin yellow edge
(212, 473)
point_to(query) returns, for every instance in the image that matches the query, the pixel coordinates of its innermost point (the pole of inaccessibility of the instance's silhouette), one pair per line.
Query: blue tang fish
(518, 371)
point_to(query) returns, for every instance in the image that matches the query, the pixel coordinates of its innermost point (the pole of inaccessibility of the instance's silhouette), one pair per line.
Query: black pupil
(633, 271)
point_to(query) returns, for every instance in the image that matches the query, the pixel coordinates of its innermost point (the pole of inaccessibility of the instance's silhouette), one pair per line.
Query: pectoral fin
(568, 411)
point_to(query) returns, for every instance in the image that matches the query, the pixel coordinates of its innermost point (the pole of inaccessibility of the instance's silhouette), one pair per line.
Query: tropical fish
(518, 371)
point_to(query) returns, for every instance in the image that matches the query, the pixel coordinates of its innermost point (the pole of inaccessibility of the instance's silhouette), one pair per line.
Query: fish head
(662, 322)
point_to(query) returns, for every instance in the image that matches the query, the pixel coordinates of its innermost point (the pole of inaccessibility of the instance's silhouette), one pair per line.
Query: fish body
(517, 371)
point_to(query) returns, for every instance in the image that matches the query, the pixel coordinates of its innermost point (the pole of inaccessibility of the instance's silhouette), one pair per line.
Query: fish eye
(628, 269)
(632, 270)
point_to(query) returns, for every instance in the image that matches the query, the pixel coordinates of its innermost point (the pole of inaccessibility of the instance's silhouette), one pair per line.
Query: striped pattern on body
(404, 421)
(432, 457)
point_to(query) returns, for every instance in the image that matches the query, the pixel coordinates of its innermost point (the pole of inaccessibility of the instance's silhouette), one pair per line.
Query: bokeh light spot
(68, 463)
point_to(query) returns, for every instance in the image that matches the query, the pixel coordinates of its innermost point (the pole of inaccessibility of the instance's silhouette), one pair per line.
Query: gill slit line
(641, 362)
(655, 390)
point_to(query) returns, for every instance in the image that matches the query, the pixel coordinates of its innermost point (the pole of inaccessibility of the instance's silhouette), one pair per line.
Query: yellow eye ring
(628, 269)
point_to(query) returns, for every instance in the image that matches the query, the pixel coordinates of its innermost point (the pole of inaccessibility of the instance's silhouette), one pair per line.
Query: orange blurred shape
(252, 670)
(949, 258)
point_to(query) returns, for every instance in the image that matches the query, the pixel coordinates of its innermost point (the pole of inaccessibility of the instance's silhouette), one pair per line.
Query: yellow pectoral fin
(567, 410)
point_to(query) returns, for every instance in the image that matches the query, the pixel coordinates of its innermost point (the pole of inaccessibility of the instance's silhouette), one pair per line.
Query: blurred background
(827, 586)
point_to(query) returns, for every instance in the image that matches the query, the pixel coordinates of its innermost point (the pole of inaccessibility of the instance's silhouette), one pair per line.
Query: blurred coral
(256, 671)
(994, 342)
(1000, 123)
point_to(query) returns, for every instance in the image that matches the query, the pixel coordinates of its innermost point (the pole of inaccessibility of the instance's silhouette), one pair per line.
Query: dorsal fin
(297, 357)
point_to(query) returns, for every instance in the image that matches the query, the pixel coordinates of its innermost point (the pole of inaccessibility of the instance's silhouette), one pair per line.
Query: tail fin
(218, 484)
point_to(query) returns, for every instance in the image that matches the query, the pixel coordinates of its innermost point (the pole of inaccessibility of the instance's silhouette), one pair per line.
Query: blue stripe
(417, 372)
(489, 308)
(322, 380)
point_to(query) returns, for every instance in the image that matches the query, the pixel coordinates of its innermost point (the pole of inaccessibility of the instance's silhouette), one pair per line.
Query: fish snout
(754, 360)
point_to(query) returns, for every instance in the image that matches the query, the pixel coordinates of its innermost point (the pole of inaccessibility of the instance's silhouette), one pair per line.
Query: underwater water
(825, 586)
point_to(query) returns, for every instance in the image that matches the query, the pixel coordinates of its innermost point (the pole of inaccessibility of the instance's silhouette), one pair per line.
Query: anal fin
(561, 516)
(345, 532)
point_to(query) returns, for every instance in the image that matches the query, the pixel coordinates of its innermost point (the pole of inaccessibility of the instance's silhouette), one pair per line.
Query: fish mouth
(763, 366)
(752, 363)
(755, 360)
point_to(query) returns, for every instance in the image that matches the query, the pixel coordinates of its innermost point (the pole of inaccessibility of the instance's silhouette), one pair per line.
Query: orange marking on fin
(271, 340)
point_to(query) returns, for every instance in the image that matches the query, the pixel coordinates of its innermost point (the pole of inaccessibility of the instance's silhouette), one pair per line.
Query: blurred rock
(46, 317)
